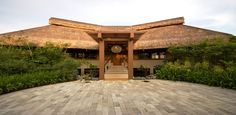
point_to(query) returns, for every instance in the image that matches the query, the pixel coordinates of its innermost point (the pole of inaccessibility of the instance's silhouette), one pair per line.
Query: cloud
(212, 14)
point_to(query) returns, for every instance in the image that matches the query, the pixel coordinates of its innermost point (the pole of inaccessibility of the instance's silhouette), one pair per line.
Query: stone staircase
(116, 73)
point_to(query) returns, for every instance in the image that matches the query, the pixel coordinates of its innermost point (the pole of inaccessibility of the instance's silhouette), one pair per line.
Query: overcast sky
(219, 15)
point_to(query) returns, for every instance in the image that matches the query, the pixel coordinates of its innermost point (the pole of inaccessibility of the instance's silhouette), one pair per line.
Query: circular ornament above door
(116, 49)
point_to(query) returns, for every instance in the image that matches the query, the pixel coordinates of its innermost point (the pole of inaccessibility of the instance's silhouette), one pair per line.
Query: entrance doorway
(116, 52)
(123, 60)
(117, 59)
(116, 65)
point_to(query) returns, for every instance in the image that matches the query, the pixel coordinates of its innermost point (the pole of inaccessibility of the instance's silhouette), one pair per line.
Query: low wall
(147, 64)
(136, 64)
(94, 62)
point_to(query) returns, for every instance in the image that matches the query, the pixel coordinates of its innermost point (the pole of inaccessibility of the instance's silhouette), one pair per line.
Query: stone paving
(133, 97)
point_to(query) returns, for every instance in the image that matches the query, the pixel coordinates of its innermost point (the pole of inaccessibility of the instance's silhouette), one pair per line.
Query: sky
(219, 15)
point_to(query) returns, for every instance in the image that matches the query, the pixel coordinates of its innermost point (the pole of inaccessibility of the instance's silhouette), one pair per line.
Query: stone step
(116, 73)
(117, 70)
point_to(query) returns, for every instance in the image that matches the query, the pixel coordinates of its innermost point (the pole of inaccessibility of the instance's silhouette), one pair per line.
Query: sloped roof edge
(165, 37)
(167, 22)
(74, 38)
(73, 24)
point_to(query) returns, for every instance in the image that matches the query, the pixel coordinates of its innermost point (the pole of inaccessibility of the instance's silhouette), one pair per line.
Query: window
(151, 54)
(162, 55)
(143, 55)
(155, 56)
(158, 55)
(83, 54)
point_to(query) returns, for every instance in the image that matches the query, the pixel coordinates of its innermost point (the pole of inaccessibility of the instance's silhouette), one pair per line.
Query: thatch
(87, 26)
(75, 38)
(115, 29)
(167, 36)
(73, 24)
(100, 28)
(168, 22)
(160, 34)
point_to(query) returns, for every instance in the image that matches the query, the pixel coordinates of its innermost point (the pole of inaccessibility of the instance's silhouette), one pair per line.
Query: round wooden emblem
(116, 49)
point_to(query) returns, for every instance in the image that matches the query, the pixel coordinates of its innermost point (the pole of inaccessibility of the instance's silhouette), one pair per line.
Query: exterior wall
(147, 64)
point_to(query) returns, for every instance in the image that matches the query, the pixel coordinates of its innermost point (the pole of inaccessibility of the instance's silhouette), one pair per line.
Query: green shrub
(29, 66)
(216, 77)
(12, 60)
(16, 82)
(49, 54)
(28, 80)
(67, 69)
(211, 63)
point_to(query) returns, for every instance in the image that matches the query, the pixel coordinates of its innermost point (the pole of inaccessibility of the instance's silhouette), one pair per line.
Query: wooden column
(130, 56)
(101, 57)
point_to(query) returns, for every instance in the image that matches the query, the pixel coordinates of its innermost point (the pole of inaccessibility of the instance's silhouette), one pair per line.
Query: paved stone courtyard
(133, 97)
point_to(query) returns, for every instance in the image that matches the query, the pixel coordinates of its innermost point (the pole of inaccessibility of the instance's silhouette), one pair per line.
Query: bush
(28, 80)
(217, 77)
(29, 66)
(141, 71)
(12, 60)
(49, 54)
(211, 63)
(67, 69)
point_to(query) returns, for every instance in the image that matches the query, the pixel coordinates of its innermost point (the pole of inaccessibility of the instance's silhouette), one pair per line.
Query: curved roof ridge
(95, 27)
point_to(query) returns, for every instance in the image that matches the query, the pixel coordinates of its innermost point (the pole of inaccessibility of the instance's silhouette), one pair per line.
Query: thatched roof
(167, 36)
(160, 34)
(75, 38)
(100, 28)
(73, 24)
(168, 22)
(88, 27)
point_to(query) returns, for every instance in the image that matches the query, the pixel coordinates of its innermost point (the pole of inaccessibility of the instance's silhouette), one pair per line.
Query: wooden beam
(130, 59)
(168, 22)
(101, 59)
(99, 35)
(74, 24)
(131, 35)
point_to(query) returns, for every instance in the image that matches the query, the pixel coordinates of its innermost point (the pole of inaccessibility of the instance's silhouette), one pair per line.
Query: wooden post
(101, 57)
(130, 59)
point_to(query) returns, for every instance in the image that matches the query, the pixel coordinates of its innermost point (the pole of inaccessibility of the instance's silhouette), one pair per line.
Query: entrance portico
(125, 39)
